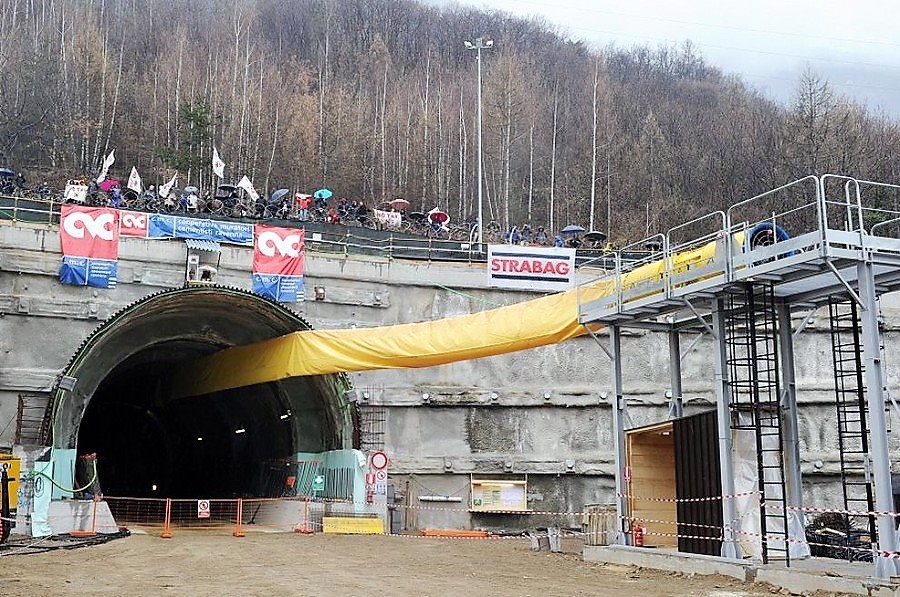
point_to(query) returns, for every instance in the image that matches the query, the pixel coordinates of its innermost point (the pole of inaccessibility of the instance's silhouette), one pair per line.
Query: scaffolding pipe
(885, 566)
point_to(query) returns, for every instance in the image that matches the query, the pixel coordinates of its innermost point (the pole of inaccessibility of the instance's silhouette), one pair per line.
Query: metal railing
(320, 237)
(815, 217)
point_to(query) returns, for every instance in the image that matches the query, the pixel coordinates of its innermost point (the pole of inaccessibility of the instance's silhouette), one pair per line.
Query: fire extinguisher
(637, 535)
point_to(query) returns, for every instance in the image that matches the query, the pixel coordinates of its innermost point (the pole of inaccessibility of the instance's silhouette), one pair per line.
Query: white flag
(164, 189)
(217, 164)
(248, 186)
(107, 162)
(134, 181)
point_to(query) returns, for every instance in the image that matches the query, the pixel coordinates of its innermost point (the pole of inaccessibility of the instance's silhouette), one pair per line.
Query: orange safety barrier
(238, 532)
(299, 514)
(454, 533)
(167, 531)
(305, 528)
(93, 531)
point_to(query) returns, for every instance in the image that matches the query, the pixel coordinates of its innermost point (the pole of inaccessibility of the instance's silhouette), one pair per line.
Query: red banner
(277, 251)
(134, 223)
(91, 232)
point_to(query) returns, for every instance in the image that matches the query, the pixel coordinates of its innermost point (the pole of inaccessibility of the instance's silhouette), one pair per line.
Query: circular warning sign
(202, 508)
(380, 476)
(379, 460)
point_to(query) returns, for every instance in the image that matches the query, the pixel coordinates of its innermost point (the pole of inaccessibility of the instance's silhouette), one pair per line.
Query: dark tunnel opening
(236, 443)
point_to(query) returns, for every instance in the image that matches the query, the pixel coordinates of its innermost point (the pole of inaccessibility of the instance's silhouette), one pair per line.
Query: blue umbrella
(572, 229)
(323, 194)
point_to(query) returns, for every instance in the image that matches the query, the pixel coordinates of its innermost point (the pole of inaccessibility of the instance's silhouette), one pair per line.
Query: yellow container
(13, 466)
(345, 525)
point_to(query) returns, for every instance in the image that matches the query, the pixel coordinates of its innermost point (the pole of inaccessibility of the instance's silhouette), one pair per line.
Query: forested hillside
(377, 99)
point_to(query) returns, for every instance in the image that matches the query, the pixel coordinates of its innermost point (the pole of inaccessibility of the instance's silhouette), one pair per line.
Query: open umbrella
(227, 187)
(6, 172)
(399, 203)
(278, 195)
(323, 194)
(436, 215)
(190, 190)
(417, 216)
(595, 236)
(572, 229)
(109, 184)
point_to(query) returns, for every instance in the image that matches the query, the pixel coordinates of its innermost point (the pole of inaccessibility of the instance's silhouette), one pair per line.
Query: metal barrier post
(305, 528)
(167, 529)
(238, 531)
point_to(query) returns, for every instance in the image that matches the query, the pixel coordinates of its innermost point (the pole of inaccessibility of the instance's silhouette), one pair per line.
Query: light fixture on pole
(480, 44)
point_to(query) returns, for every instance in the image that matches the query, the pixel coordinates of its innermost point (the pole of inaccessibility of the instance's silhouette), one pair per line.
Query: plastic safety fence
(184, 513)
(289, 514)
(305, 514)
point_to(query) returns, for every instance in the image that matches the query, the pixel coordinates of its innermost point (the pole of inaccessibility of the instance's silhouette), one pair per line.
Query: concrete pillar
(623, 536)
(791, 447)
(730, 546)
(878, 446)
(676, 401)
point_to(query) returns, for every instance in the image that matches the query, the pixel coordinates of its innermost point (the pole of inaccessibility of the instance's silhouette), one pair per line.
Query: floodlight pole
(480, 44)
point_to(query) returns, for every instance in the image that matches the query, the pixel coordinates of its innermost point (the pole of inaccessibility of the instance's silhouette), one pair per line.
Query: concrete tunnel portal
(114, 399)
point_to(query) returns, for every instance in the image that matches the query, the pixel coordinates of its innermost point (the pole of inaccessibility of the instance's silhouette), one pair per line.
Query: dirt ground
(200, 563)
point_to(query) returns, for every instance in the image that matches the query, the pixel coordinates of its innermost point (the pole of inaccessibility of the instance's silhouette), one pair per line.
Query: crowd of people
(229, 200)
(535, 237)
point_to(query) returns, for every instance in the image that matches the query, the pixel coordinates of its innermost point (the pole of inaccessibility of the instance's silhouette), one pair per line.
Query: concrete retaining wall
(543, 412)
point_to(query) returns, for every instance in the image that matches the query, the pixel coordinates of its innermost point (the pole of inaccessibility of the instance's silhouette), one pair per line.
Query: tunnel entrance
(115, 400)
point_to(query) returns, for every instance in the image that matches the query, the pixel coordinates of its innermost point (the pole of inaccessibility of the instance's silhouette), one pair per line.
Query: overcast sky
(854, 44)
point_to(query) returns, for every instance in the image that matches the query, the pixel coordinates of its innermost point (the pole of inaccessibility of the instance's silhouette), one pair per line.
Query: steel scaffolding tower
(751, 278)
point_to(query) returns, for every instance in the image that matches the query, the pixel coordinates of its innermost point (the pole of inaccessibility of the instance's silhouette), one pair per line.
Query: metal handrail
(885, 223)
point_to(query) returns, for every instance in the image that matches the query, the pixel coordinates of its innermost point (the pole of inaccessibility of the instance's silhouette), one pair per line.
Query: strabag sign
(531, 268)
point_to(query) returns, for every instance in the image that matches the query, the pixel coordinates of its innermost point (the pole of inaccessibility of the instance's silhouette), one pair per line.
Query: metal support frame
(845, 284)
(730, 545)
(791, 447)
(623, 537)
(881, 463)
(700, 318)
(676, 400)
(804, 323)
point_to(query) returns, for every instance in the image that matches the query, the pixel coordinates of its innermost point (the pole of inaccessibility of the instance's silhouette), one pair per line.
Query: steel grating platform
(674, 284)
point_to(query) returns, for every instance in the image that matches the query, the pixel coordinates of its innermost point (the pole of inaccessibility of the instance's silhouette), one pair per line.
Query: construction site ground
(203, 563)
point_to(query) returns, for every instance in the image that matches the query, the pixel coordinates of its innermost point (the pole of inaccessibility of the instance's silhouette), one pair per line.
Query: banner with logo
(531, 268)
(278, 263)
(90, 245)
(391, 219)
(166, 226)
(133, 223)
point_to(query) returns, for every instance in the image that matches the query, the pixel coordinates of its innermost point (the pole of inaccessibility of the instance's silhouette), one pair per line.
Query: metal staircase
(751, 338)
(30, 419)
(852, 413)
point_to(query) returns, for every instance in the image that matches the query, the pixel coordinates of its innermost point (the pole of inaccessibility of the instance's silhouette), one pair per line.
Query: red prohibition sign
(379, 460)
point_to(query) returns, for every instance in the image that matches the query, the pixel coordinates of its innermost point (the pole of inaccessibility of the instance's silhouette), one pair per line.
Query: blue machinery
(843, 252)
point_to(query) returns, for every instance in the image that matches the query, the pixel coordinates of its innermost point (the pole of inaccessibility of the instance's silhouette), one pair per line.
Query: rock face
(543, 413)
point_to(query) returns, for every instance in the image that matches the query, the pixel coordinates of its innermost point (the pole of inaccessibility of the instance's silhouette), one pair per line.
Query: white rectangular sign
(531, 268)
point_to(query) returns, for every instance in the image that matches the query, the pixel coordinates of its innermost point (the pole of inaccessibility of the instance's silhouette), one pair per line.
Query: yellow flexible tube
(529, 324)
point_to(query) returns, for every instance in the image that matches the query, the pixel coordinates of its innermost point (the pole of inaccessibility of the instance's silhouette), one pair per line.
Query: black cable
(61, 541)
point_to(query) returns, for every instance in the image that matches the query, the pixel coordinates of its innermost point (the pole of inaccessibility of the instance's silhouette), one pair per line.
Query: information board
(489, 495)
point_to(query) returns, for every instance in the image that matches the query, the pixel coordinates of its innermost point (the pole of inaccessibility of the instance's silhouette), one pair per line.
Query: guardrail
(825, 217)
(320, 237)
